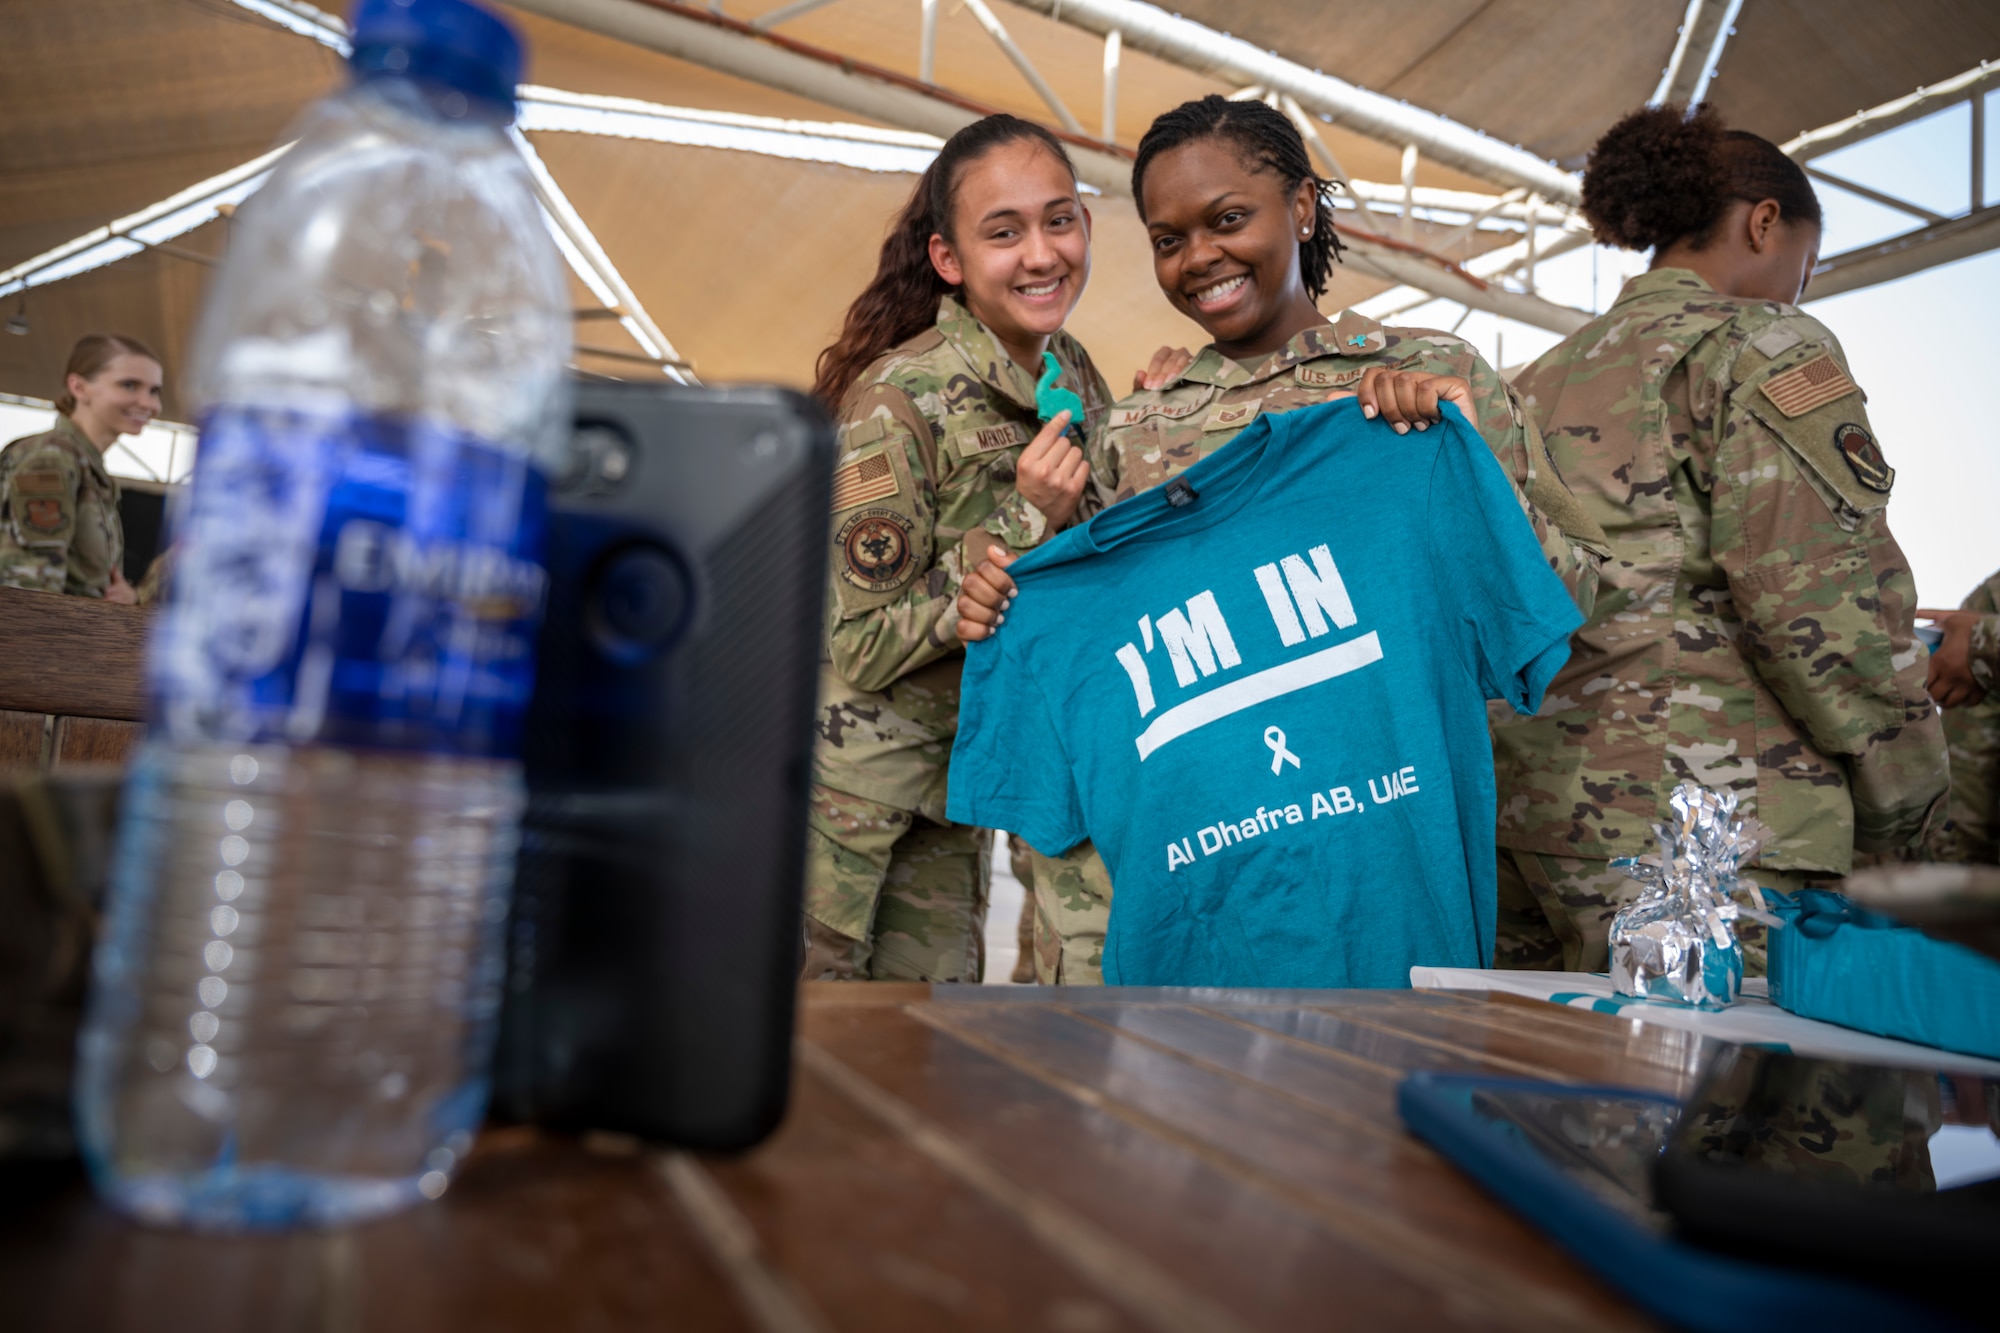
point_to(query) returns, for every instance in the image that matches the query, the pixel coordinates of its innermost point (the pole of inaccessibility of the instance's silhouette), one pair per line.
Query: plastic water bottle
(294, 998)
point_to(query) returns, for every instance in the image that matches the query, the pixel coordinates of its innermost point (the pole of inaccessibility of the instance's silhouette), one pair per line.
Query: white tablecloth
(1751, 1019)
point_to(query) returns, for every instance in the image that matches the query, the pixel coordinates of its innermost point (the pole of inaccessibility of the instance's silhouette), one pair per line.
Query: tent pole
(1020, 60)
(1113, 41)
(1235, 62)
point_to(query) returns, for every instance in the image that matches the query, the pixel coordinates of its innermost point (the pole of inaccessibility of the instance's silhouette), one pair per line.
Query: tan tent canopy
(741, 258)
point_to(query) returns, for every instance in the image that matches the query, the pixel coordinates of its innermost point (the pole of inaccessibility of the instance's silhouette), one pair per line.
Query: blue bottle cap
(448, 42)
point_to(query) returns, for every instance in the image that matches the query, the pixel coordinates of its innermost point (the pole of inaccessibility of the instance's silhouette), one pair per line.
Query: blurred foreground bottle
(293, 1005)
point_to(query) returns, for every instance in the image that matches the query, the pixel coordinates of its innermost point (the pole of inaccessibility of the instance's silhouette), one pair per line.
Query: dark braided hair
(1661, 176)
(1268, 142)
(901, 300)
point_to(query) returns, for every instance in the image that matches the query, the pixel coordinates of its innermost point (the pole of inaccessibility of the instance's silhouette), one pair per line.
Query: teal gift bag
(1843, 964)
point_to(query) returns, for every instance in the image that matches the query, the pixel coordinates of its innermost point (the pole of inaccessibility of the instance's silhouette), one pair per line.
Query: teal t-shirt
(1260, 689)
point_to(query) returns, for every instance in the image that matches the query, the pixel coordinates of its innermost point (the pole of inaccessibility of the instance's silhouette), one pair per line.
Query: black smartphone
(1872, 1171)
(1787, 1191)
(655, 935)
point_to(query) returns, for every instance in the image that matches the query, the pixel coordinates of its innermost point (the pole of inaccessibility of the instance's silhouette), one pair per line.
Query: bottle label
(353, 580)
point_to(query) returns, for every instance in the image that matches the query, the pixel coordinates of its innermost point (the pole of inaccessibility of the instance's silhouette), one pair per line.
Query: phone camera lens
(639, 602)
(600, 458)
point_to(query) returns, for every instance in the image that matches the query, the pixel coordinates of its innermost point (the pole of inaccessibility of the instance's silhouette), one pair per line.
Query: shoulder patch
(1838, 450)
(1228, 416)
(988, 439)
(1864, 456)
(869, 478)
(1814, 384)
(38, 483)
(1777, 340)
(856, 434)
(877, 553)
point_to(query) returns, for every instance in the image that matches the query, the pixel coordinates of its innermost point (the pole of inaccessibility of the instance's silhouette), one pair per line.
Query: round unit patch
(876, 551)
(1864, 456)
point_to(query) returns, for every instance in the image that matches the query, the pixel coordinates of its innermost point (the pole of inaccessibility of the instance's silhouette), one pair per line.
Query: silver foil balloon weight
(1678, 941)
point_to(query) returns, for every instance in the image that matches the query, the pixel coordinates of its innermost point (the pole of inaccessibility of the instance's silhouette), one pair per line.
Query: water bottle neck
(433, 99)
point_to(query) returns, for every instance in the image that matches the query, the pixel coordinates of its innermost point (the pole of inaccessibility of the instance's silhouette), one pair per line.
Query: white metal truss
(1981, 78)
(1235, 62)
(731, 46)
(588, 260)
(1705, 30)
(927, 43)
(552, 110)
(579, 247)
(1940, 239)
(719, 42)
(152, 227)
(986, 19)
(1114, 53)
(798, 8)
(1376, 218)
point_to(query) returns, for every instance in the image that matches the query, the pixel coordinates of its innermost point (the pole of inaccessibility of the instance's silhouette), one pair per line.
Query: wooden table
(72, 680)
(1082, 1161)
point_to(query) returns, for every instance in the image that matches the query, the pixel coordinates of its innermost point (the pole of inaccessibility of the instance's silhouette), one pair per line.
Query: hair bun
(1655, 177)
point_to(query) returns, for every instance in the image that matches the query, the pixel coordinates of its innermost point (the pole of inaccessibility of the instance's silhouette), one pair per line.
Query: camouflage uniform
(1157, 433)
(1023, 868)
(1822, 1120)
(1972, 833)
(929, 441)
(59, 524)
(1753, 628)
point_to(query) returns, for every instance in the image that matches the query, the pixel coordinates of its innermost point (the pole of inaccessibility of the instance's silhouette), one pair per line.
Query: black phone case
(655, 937)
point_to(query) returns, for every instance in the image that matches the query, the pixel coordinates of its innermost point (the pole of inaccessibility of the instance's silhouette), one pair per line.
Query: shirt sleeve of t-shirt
(1509, 611)
(1009, 767)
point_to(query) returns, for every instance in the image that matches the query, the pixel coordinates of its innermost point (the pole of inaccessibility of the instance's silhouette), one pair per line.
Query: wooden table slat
(1394, 1196)
(72, 655)
(94, 740)
(1270, 1258)
(1085, 1161)
(21, 740)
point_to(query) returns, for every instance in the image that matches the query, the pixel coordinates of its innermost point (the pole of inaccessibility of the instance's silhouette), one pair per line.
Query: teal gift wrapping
(1842, 964)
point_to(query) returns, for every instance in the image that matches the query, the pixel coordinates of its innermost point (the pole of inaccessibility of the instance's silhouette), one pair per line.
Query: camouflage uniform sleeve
(1572, 542)
(1824, 594)
(892, 607)
(1102, 490)
(1016, 520)
(1020, 522)
(1983, 650)
(1972, 734)
(41, 511)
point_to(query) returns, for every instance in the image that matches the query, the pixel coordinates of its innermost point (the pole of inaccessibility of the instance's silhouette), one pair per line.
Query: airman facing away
(1753, 631)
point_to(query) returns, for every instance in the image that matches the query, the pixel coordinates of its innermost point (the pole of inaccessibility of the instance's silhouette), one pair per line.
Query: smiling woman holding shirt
(1243, 243)
(942, 454)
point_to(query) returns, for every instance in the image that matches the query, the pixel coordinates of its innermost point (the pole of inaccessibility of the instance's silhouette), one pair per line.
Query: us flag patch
(1818, 382)
(865, 479)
